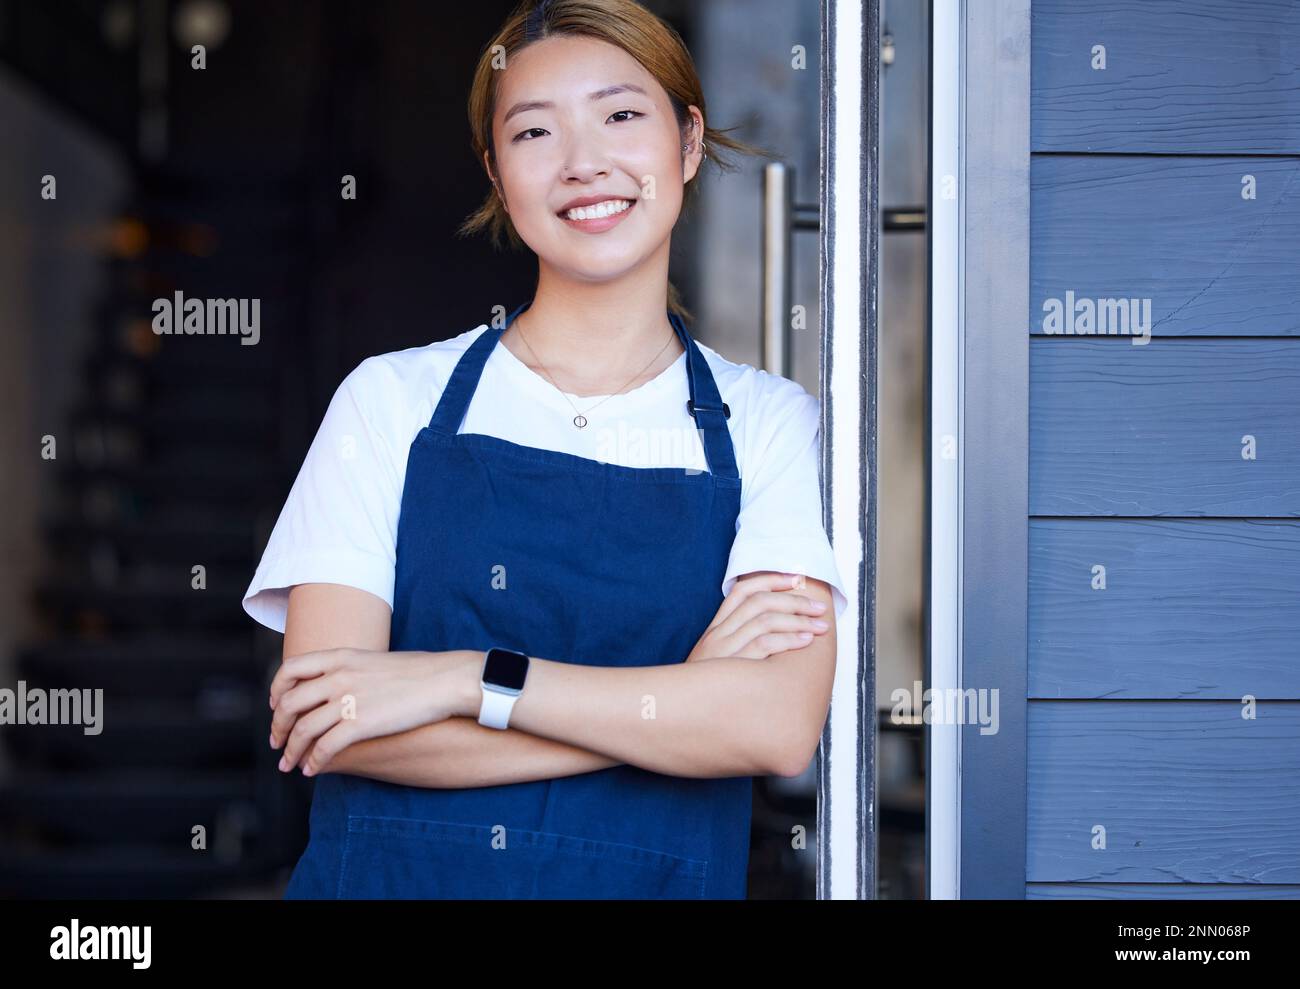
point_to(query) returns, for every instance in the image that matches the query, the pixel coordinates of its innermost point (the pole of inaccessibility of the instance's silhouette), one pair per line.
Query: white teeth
(608, 208)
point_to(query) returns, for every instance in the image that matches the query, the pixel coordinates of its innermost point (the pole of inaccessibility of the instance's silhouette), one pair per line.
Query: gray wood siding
(1135, 691)
(1204, 609)
(1177, 231)
(1117, 428)
(1186, 792)
(1181, 76)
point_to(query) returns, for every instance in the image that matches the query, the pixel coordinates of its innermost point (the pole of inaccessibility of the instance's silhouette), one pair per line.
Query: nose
(584, 158)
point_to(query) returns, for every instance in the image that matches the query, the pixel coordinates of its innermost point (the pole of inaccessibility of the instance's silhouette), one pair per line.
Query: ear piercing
(686, 147)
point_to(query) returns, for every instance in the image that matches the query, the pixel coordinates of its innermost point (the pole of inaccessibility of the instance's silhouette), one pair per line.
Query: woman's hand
(324, 701)
(761, 616)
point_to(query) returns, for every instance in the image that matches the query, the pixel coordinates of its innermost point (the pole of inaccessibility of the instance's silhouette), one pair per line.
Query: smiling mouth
(598, 211)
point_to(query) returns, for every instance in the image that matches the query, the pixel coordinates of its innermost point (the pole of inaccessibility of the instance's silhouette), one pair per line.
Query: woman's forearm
(460, 752)
(731, 716)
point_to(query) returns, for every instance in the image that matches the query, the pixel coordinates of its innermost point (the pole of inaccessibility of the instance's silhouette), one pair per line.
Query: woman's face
(624, 144)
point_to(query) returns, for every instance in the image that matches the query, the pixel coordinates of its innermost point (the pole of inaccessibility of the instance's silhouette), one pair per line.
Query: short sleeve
(780, 523)
(339, 522)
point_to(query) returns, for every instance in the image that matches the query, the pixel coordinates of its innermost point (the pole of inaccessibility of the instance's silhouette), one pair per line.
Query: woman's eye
(523, 135)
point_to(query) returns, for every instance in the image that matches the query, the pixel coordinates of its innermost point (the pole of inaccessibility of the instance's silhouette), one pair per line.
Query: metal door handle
(781, 217)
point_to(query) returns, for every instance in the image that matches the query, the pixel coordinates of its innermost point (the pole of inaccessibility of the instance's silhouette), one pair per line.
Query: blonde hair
(624, 23)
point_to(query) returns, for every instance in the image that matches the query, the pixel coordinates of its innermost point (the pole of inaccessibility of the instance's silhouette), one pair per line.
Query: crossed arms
(714, 716)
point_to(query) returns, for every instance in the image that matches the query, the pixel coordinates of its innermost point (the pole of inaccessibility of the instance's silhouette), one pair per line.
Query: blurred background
(142, 473)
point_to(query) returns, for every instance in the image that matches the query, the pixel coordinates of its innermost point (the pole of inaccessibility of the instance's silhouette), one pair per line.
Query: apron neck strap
(453, 405)
(705, 403)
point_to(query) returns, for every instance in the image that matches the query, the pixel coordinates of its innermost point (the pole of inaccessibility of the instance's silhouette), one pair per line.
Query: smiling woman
(633, 99)
(527, 657)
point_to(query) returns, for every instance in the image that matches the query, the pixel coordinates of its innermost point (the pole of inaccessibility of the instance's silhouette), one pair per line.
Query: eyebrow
(600, 94)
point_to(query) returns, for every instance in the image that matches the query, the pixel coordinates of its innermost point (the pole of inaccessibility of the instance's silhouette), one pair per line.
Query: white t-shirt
(339, 524)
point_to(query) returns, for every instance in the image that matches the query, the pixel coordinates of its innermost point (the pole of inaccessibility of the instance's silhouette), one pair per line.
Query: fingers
(747, 587)
(321, 753)
(307, 730)
(767, 632)
(771, 643)
(751, 610)
(772, 602)
(773, 632)
(298, 699)
(303, 667)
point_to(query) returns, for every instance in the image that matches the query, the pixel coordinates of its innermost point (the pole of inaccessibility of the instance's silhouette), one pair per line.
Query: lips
(593, 208)
(600, 216)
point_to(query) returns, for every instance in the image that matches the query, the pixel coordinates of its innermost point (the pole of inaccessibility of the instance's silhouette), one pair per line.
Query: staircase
(177, 457)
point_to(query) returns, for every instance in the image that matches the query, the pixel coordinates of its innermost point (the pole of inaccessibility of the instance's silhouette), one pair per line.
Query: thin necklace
(579, 419)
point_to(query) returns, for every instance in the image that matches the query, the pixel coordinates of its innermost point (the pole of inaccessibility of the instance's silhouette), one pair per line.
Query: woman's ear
(695, 139)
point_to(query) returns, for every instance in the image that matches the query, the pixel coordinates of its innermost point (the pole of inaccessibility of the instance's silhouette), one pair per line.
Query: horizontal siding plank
(1181, 76)
(1200, 608)
(1160, 891)
(1174, 231)
(1121, 429)
(1187, 791)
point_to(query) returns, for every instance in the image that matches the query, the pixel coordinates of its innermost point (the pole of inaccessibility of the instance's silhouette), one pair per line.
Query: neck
(595, 339)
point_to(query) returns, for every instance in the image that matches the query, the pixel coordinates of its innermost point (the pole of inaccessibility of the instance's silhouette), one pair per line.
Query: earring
(686, 147)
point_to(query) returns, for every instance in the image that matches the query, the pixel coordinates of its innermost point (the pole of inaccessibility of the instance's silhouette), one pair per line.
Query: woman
(552, 592)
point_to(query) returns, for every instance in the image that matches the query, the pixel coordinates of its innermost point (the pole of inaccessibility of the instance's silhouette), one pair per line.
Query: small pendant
(580, 421)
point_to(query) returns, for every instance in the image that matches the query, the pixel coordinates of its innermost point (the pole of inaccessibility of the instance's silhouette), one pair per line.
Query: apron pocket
(404, 858)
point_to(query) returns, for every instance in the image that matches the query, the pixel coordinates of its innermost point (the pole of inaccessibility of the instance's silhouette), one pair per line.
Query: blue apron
(567, 559)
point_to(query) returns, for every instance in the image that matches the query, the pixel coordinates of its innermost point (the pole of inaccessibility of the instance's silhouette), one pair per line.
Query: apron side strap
(707, 408)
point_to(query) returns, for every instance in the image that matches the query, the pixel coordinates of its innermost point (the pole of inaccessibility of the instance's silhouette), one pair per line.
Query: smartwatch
(504, 672)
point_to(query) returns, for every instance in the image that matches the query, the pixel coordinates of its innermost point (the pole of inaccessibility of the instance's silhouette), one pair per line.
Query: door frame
(977, 614)
(850, 187)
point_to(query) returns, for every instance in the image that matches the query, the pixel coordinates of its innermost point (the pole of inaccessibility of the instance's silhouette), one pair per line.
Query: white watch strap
(496, 707)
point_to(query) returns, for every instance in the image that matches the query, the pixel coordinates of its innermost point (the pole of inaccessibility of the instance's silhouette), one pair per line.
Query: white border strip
(946, 196)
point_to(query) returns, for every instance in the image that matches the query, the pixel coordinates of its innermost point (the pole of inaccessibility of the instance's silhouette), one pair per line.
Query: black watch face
(505, 669)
